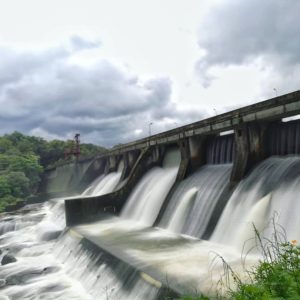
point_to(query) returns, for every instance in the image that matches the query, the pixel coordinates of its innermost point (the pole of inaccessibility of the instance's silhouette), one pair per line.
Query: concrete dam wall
(149, 214)
(253, 133)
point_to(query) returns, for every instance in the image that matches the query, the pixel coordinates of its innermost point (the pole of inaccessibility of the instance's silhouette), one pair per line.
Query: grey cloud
(237, 32)
(47, 95)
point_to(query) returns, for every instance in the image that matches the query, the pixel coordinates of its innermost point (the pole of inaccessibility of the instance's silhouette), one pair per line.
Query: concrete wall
(84, 209)
(250, 124)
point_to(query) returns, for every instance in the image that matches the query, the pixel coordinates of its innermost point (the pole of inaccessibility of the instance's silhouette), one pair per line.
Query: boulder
(7, 259)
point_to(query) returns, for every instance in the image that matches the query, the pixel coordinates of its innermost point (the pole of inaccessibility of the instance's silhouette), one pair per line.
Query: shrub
(276, 277)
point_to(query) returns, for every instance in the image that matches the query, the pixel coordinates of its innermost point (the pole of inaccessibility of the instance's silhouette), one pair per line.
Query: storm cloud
(43, 93)
(252, 31)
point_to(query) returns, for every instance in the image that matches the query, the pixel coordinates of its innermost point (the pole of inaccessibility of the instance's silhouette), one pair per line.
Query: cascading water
(272, 187)
(64, 267)
(105, 184)
(54, 263)
(194, 200)
(147, 198)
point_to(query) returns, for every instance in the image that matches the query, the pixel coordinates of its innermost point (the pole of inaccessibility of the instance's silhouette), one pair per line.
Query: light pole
(150, 128)
(276, 93)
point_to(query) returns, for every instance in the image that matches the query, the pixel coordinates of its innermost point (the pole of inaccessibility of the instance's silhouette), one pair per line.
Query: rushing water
(195, 200)
(148, 196)
(271, 190)
(54, 263)
(105, 184)
(57, 263)
(273, 186)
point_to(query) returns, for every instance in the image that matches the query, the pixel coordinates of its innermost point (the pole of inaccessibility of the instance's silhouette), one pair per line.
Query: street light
(150, 128)
(275, 90)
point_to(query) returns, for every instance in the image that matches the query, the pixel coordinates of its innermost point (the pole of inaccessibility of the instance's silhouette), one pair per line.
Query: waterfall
(53, 263)
(271, 189)
(274, 185)
(195, 200)
(147, 197)
(105, 184)
(180, 214)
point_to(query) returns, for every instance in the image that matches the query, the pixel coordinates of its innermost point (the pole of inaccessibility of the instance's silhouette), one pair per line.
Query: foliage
(276, 277)
(23, 159)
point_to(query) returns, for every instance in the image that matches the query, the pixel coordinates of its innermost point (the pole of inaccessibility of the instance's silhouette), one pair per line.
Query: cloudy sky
(108, 68)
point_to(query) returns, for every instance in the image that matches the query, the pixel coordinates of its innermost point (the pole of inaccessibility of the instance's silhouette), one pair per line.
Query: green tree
(23, 158)
(19, 184)
(4, 186)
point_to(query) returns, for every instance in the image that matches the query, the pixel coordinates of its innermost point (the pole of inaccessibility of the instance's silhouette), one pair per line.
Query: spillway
(186, 261)
(167, 233)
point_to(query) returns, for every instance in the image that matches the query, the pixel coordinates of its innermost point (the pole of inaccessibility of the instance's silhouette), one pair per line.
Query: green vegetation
(276, 277)
(23, 159)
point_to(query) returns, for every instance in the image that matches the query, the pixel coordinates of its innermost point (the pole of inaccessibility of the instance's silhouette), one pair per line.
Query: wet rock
(14, 280)
(2, 283)
(7, 259)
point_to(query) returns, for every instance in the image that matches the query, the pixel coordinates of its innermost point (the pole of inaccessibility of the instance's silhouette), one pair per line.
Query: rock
(7, 259)
(2, 283)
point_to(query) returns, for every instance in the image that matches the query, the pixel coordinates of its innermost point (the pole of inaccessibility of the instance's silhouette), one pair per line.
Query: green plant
(276, 277)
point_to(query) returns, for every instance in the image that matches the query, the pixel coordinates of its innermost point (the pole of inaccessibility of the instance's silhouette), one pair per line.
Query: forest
(24, 158)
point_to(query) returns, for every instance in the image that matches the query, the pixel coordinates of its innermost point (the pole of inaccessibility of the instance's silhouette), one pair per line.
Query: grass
(276, 277)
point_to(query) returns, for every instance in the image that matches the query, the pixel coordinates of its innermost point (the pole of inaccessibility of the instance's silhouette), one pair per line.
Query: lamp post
(276, 93)
(150, 128)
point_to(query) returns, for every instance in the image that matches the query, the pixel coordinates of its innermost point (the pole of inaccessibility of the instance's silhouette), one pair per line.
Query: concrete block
(292, 107)
(236, 121)
(189, 133)
(249, 117)
(173, 138)
(201, 130)
(221, 125)
(270, 113)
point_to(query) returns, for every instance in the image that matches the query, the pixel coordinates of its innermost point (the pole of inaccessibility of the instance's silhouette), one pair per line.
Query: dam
(149, 219)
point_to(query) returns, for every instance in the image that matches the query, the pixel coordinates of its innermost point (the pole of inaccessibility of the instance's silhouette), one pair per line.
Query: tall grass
(276, 276)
